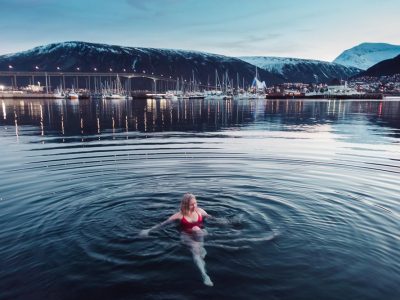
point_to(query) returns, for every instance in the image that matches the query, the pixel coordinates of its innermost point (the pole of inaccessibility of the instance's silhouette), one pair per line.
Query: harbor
(74, 85)
(93, 85)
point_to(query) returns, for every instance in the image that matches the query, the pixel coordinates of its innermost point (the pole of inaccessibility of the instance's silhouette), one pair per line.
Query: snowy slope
(366, 55)
(69, 56)
(84, 47)
(386, 67)
(301, 70)
(276, 64)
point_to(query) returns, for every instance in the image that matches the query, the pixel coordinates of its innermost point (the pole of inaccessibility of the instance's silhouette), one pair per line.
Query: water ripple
(297, 207)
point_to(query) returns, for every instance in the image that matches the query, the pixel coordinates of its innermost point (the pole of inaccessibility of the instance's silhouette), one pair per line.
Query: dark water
(311, 189)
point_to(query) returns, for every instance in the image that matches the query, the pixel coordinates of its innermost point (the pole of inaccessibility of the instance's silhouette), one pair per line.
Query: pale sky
(313, 29)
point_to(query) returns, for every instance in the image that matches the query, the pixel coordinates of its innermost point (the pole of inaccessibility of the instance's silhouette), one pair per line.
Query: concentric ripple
(299, 211)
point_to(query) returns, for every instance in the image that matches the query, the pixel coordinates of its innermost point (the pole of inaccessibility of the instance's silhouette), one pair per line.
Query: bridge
(90, 77)
(85, 74)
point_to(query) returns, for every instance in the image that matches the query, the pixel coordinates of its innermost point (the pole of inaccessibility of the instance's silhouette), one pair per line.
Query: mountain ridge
(68, 56)
(185, 64)
(366, 55)
(386, 67)
(302, 70)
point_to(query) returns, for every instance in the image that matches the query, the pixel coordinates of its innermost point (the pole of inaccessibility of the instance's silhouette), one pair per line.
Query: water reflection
(286, 173)
(85, 117)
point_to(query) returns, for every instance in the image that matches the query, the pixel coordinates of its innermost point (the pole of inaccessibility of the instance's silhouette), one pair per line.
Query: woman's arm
(203, 213)
(223, 221)
(146, 232)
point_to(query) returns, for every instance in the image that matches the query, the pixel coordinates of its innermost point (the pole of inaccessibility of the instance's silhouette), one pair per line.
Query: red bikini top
(189, 225)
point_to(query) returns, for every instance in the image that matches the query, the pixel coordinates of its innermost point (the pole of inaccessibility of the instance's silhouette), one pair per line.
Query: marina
(109, 86)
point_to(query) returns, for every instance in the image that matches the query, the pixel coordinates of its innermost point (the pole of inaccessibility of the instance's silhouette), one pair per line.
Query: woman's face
(192, 204)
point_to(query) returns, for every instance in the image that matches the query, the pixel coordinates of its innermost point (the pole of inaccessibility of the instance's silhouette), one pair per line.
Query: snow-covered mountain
(366, 55)
(302, 70)
(69, 56)
(386, 67)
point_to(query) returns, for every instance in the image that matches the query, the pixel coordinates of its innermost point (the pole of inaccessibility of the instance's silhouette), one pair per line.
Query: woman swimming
(191, 219)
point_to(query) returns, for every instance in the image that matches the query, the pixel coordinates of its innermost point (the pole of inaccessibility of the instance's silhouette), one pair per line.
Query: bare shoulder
(202, 212)
(175, 216)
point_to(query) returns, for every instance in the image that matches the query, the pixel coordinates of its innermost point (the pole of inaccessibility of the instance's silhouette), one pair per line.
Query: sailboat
(216, 94)
(116, 93)
(59, 93)
(72, 94)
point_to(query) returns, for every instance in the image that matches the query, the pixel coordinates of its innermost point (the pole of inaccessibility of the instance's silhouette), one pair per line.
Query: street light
(58, 68)
(77, 68)
(95, 69)
(110, 69)
(36, 67)
(10, 67)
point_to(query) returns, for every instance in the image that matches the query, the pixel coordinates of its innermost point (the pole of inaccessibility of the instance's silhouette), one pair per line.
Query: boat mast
(216, 76)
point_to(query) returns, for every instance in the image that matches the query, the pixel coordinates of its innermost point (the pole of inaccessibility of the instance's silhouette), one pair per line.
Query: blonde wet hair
(185, 203)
